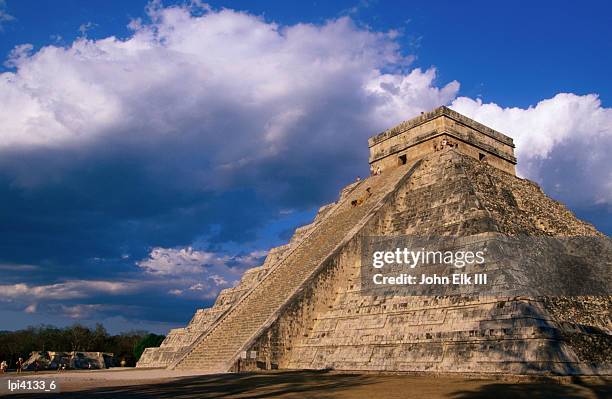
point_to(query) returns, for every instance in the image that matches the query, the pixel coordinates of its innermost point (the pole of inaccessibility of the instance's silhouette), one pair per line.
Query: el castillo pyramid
(438, 174)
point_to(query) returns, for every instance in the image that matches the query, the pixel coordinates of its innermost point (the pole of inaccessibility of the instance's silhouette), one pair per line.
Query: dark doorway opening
(402, 159)
(481, 156)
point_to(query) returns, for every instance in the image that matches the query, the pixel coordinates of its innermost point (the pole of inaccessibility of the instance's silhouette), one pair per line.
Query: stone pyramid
(439, 174)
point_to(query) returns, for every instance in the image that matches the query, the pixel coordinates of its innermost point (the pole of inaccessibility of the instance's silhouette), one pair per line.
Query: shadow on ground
(322, 384)
(547, 388)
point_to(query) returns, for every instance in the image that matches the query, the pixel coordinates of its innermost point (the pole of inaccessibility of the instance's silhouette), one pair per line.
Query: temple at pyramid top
(436, 130)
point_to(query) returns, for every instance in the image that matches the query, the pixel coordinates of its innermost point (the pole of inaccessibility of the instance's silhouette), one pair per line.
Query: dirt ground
(131, 383)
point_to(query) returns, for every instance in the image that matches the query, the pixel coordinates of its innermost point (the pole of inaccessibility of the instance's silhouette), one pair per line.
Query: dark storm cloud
(114, 146)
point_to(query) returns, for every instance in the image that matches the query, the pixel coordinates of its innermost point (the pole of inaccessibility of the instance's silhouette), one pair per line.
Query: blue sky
(151, 152)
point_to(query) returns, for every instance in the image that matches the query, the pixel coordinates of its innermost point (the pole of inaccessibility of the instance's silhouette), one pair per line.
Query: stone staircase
(180, 340)
(217, 350)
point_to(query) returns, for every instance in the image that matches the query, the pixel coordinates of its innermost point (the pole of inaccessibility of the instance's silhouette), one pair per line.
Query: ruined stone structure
(438, 174)
(49, 360)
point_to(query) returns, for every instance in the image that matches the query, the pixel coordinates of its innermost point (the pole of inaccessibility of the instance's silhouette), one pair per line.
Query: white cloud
(276, 93)
(564, 142)
(403, 96)
(30, 308)
(197, 287)
(67, 290)
(175, 73)
(218, 280)
(169, 261)
(82, 311)
(179, 267)
(188, 261)
(86, 27)
(538, 129)
(211, 77)
(249, 260)
(17, 267)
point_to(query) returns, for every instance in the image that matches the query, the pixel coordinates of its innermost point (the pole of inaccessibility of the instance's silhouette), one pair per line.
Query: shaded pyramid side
(452, 195)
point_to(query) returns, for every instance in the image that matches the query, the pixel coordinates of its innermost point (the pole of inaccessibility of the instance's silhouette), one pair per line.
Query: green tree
(148, 341)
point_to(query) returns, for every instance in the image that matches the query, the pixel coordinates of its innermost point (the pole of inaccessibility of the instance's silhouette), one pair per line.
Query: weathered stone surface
(451, 334)
(306, 308)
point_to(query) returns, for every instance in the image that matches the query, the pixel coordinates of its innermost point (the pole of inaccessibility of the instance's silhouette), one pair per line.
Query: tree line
(126, 346)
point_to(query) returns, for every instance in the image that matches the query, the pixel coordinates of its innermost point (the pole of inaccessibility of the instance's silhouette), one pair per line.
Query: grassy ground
(307, 384)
